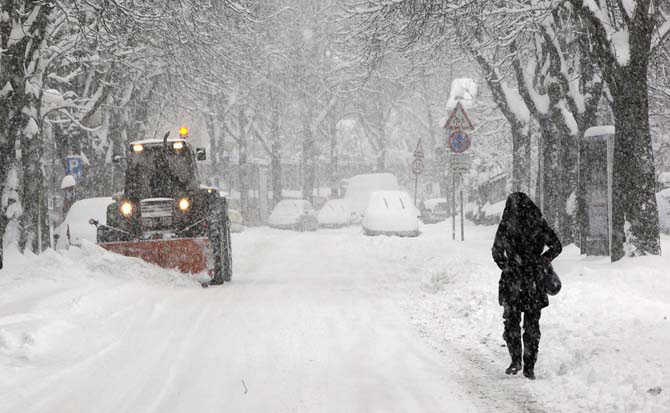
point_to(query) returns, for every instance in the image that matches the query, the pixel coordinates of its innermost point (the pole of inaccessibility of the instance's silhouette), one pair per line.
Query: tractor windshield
(158, 173)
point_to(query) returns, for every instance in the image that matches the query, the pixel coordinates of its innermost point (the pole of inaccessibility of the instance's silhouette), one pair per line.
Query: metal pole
(39, 224)
(462, 232)
(453, 206)
(416, 182)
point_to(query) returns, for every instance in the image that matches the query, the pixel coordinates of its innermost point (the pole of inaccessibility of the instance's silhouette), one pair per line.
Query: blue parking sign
(74, 165)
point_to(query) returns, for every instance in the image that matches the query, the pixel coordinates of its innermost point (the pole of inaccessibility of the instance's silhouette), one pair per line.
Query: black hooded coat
(518, 250)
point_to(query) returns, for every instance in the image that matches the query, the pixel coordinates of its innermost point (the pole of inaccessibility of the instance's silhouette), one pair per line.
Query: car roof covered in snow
(360, 187)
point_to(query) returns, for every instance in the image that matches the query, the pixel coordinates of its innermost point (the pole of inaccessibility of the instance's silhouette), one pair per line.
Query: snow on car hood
(391, 211)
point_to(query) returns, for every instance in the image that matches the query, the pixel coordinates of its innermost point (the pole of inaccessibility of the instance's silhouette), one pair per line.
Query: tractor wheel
(227, 253)
(218, 232)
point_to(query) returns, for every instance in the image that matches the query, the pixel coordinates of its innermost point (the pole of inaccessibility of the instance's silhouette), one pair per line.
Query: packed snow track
(309, 323)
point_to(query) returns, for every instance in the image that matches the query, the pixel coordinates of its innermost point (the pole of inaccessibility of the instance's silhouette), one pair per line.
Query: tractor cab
(159, 169)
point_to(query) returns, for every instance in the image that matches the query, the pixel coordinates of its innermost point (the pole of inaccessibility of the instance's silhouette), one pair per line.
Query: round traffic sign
(417, 166)
(459, 141)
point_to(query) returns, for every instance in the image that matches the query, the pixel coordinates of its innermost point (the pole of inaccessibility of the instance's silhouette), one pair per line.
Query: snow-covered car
(295, 214)
(236, 220)
(391, 213)
(77, 218)
(337, 213)
(360, 188)
(435, 210)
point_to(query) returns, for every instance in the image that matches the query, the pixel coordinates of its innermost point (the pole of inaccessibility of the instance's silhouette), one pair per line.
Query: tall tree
(22, 30)
(624, 36)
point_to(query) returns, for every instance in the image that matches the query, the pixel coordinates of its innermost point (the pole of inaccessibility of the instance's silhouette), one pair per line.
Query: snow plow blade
(188, 255)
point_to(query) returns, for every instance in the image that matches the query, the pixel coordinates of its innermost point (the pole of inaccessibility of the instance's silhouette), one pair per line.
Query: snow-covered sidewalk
(605, 336)
(327, 321)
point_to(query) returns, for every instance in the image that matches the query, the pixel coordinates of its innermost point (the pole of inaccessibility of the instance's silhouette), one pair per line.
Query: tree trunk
(308, 154)
(277, 186)
(633, 197)
(520, 157)
(243, 177)
(520, 127)
(564, 177)
(6, 160)
(333, 172)
(275, 152)
(215, 148)
(549, 156)
(242, 165)
(34, 221)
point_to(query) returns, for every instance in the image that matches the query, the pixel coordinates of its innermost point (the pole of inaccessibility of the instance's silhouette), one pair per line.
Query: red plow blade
(188, 255)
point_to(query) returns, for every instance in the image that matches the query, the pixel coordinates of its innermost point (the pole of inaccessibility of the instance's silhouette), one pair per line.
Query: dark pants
(531, 335)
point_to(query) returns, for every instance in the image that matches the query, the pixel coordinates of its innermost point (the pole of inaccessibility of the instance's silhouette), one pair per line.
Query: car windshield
(156, 174)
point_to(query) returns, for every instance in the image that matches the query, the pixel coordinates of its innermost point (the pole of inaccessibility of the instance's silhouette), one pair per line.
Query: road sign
(459, 163)
(417, 166)
(418, 152)
(459, 141)
(74, 165)
(458, 119)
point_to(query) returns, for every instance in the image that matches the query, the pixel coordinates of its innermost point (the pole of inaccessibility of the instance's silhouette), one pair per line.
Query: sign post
(459, 143)
(417, 166)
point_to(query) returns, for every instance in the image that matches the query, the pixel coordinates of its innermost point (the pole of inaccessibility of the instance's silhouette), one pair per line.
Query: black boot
(528, 372)
(531, 342)
(514, 367)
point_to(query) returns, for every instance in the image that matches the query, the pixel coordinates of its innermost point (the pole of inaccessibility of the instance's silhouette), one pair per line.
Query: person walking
(518, 251)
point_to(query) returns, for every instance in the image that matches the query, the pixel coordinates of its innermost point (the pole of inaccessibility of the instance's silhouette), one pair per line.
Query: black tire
(227, 254)
(218, 232)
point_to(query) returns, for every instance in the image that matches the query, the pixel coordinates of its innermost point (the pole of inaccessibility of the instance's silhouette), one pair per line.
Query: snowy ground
(329, 321)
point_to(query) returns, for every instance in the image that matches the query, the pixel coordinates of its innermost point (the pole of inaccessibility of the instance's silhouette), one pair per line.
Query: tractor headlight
(178, 145)
(138, 147)
(126, 208)
(184, 204)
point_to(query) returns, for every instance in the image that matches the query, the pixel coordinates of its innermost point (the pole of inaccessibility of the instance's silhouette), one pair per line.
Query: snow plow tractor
(164, 216)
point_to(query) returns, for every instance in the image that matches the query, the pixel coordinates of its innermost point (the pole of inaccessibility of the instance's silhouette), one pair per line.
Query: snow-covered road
(309, 324)
(331, 321)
